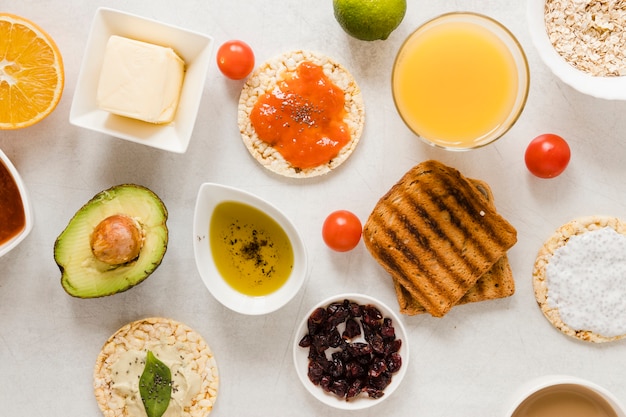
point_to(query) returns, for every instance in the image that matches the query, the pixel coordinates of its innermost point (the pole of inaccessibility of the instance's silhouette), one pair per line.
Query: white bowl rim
(300, 354)
(211, 278)
(609, 88)
(28, 210)
(545, 381)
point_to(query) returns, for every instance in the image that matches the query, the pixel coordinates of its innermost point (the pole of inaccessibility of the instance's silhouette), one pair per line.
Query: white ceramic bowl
(28, 211)
(529, 392)
(611, 88)
(301, 361)
(209, 196)
(194, 48)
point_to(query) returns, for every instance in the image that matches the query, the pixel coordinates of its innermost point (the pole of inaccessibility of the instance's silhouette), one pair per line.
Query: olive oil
(251, 250)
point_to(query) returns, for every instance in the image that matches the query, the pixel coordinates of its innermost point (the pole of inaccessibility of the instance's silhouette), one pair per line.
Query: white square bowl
(194, 48)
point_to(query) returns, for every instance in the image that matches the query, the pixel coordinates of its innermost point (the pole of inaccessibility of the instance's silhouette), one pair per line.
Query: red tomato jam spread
(303, 117)
(12, 216)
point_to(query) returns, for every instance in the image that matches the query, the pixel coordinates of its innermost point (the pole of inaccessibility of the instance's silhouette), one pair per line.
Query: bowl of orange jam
(16, 217)
(460, 81)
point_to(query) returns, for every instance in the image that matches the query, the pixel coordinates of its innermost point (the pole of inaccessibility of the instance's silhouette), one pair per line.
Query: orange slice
(31, 73)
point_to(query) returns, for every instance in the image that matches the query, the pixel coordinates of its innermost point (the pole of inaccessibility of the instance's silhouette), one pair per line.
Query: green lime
(369, 20)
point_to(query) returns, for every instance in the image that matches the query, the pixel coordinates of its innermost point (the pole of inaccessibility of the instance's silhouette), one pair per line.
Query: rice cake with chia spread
(579, 279)
(266, 78)
(190, 359)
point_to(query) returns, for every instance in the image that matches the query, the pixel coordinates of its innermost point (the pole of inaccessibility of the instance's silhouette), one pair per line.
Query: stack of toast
(438, 235)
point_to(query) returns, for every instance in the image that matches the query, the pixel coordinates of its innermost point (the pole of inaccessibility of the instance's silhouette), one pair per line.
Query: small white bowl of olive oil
(249, 254)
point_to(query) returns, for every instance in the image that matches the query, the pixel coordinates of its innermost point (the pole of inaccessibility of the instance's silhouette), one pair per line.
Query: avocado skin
(82, 275)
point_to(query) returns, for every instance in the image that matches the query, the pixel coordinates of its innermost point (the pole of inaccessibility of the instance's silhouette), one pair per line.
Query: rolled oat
(589, 34)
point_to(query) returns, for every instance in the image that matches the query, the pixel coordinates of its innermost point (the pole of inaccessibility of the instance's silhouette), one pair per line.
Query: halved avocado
(114, 242)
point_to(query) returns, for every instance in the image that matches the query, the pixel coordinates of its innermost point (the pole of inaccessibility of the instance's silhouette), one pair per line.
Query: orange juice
(457, 84)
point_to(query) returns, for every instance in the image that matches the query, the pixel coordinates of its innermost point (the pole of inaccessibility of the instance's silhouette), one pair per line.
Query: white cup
(577, 398)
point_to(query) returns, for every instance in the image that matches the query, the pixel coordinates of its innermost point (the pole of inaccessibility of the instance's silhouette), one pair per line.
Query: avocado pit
(116, 240)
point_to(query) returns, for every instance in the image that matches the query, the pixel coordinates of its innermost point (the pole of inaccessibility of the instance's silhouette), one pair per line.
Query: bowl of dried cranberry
(351, 351)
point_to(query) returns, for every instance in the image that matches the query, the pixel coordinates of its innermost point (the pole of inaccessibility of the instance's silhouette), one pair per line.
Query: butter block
(140, 80)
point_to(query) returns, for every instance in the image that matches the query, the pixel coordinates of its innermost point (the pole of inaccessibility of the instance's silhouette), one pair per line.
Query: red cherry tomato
(342, 230)
(547, 155)
(235, 59)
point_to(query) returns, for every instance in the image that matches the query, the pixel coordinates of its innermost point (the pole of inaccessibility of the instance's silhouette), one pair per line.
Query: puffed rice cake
(540, 285)
(265, 77)
(139, 335)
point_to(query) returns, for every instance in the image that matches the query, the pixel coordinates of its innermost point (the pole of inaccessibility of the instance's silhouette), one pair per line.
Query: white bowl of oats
(582, 43)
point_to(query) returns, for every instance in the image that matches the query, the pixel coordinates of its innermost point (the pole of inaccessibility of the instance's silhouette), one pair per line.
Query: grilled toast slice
(436, 235)
(496, 283)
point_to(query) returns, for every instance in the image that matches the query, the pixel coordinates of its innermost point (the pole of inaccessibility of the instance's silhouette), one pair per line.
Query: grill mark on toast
(497, 282)
(430, 204)
(399, 262)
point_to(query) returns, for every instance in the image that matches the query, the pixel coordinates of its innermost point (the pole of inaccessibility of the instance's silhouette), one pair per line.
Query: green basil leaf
(155, 386)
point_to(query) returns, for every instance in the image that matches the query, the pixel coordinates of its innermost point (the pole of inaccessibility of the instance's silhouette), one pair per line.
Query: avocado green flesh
(85, 276)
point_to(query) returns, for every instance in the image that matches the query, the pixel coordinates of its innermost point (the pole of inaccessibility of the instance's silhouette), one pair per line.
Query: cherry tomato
(342, 230)
(235, 59)
(547, 155)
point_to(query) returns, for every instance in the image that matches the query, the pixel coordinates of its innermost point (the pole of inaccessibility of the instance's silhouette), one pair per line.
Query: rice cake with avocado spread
(579, 279)
(301, 114)
(156, 345)
(114, 242)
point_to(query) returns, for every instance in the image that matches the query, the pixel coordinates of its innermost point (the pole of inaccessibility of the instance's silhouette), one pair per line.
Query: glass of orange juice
(460, 81)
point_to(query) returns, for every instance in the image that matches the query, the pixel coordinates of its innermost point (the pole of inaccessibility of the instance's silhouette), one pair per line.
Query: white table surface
(465, 364)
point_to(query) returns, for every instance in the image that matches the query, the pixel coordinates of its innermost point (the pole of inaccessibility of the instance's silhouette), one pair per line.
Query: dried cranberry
(339, 388)
(355, 370)
(305, 341)
(325, 382)
(373, 392)
(380, 382)
(357, 366)
(359, 349)
(316, 372)
(334, 338)
(377, 343)
(377, 368)
(352, 329)
(355, 388)
(338, 369)
(355, 310)
(387, 331)
(394, 362)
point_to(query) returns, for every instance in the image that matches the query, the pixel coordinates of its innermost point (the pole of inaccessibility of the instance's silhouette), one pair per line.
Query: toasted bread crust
(436, 235)
(496, 283)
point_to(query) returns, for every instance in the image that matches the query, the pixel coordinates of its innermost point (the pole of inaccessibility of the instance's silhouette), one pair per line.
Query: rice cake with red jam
(270, 76)
(579, 279)
(190, 360)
